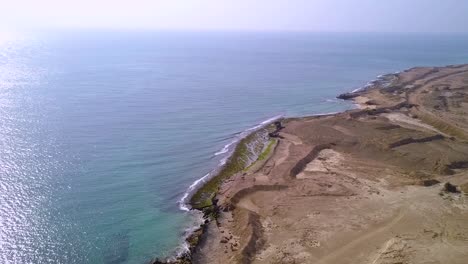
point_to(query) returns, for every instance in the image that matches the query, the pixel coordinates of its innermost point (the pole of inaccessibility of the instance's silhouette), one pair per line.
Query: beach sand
(363, 186)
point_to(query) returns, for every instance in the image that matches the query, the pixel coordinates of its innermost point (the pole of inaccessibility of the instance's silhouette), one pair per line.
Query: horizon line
(215, 30)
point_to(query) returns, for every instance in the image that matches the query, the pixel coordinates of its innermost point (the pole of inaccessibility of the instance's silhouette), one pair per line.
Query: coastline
(368, 105)
(192, 236)
(207, 213)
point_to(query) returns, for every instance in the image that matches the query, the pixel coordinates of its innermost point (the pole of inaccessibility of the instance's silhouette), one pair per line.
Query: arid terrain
(364, 186)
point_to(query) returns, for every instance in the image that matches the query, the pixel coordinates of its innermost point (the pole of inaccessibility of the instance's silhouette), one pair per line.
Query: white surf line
(183, 202)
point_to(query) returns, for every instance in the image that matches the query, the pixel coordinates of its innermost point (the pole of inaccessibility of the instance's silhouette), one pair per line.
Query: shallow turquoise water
(101, 133)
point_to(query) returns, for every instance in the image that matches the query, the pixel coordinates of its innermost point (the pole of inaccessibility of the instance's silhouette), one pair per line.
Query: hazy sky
(310, 15)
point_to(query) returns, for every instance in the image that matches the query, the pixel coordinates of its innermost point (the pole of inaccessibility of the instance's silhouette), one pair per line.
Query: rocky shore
(385, 183)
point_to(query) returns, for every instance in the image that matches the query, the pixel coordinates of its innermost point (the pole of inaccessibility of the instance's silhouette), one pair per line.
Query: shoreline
(183, 251)
(184, 202)
(193, 234)
(366, 107)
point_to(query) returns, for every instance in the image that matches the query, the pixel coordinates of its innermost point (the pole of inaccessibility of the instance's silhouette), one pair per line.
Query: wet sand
(363, 186)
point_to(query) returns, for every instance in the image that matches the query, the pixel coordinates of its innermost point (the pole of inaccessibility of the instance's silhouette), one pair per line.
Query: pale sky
(271, 15)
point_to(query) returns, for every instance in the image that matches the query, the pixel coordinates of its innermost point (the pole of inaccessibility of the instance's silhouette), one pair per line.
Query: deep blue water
(101, 133)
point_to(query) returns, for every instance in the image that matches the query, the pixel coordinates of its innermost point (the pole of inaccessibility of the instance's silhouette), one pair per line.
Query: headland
(384, 183)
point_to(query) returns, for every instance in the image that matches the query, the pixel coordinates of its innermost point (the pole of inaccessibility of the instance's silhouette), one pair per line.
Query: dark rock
(371, 102)
(347, 96)
(448, 187)
(278, 125)
(233, 248)
(430, 182)
(273, 134)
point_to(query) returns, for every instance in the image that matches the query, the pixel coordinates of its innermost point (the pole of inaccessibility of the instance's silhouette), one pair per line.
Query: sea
(104, 134)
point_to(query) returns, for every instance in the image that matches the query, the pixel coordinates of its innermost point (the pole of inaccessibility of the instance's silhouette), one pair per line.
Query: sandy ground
(356, 187)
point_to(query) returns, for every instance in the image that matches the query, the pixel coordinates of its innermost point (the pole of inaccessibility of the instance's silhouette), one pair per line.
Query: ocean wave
(226, 148)
(326, 114)
(241, 135)
(357, 90)
(227, 151)
(380, 79)
(266, 122)
(183, 202)
(184, 247)
(223, 161)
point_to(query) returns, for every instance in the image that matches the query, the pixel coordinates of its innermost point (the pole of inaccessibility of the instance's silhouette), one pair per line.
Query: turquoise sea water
(101, 133)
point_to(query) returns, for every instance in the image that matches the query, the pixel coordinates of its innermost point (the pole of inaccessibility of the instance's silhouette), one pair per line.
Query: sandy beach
(370, 185)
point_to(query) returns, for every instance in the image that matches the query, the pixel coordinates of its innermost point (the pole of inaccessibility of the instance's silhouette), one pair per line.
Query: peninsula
(384, 183)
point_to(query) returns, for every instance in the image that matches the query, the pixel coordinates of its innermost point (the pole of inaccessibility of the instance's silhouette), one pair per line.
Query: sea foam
(227, 151)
